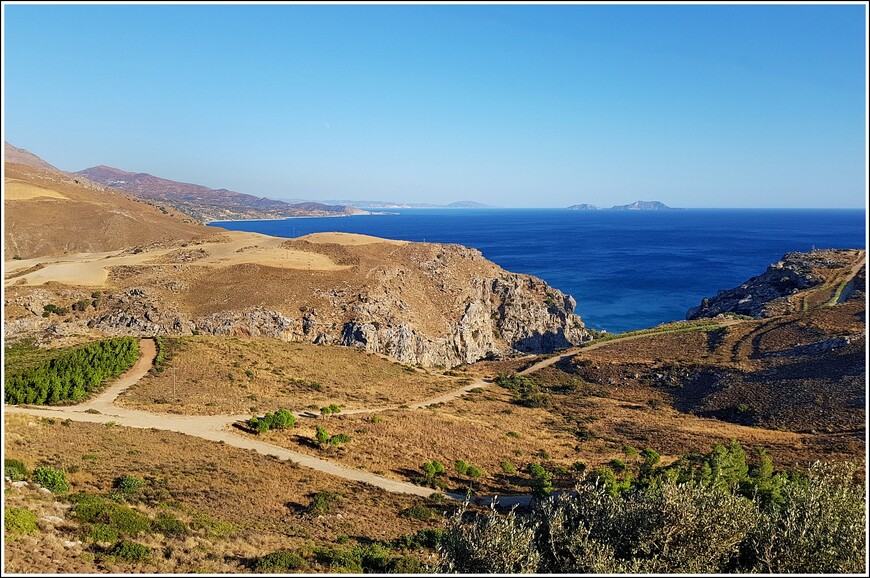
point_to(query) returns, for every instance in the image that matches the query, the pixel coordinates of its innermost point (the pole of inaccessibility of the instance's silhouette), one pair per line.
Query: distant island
(635, 206)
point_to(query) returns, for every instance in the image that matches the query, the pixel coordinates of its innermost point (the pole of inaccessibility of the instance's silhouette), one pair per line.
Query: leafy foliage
(51, 479)
(14, 470)
(281, 419)
(128, 484)
(280, 561)
(711, 513)
(19, 521)
(73, 374)
(131, 552)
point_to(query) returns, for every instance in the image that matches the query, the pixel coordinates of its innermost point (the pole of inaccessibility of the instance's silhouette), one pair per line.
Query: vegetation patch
(51, 479)
(72, 374)
(19, 521)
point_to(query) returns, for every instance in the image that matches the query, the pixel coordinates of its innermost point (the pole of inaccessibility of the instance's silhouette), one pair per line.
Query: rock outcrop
(427, 304)
(769, 294)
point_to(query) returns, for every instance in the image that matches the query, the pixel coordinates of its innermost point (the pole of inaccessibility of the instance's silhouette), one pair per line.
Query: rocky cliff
(420, 303)
(774, 291)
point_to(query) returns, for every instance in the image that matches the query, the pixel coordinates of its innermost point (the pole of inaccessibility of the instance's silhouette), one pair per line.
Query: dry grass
(235, 375)
(254, 503)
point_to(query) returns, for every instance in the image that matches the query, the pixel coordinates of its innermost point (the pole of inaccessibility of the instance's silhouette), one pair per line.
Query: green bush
(324, 502)
(14, 470)
(51, 479)
(541, 482)
(131, 552)
(169, 525)
(100, 533)
(507, 467)
(280, 561)
(421, 513)
(19, 521)
(663, 525)
(128, 484)
(321, 435)
(338, 439)
(128, 521)
(281, 419)
(461, 467)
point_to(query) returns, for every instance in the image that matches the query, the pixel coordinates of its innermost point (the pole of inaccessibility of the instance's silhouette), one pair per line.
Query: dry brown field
(238, 504)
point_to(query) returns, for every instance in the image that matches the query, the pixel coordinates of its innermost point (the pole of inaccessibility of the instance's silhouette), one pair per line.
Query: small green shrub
(169, 525)
(100, 533)
(421, 513)
(507, 467)
(51, 479)
(19, 521)
(338, 439)
(128, 484)
(461, 467)
(131, 552)
(128, 521)
(321, 435)
(324, 502)
(279, 561)
(14, 470)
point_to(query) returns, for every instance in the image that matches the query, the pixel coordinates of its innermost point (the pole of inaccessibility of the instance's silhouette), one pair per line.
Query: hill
(48, 212)
(583, 207)
(208, 204)
(24, 157)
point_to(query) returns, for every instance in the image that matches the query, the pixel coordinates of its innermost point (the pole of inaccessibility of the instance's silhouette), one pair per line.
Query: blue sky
(515, 106)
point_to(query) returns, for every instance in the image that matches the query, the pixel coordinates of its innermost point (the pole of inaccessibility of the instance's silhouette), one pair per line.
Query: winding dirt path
(102, 409)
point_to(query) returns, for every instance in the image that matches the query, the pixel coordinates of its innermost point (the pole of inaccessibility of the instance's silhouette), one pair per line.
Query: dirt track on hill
(101, 409)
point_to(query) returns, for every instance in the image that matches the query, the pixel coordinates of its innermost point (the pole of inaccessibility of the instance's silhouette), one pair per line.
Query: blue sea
(626, 269)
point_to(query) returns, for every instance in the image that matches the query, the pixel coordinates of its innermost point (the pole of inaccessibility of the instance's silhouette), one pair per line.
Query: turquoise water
(626, 269)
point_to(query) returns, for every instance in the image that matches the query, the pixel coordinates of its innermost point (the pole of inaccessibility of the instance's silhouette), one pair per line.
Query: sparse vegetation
(14, 470)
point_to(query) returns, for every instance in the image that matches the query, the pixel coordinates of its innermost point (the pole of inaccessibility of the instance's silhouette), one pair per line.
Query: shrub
(338, 439)
(14, 470)
(818, 528)
(488, 544)
(461, 467)
(51, 479)
(169, 525)
(421, 513)
(321, 435)
(541, 482)
(128, 484)
(131, 552)
(279, 561)
(324, 502)
(100, 533)
(19, 521)
(432, 471)
(128, 521)
(507, 467)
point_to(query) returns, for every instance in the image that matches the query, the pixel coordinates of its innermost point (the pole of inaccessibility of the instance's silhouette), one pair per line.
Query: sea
(626, 269)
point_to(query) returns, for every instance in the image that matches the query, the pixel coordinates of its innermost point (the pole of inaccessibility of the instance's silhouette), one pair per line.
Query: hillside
(24, 157)
(208, 204)
(47, 212)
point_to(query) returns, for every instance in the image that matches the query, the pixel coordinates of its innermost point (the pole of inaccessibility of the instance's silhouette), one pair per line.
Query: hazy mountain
(208, 204)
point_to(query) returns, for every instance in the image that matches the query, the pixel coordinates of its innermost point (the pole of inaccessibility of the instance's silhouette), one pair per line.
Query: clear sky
(512, 105)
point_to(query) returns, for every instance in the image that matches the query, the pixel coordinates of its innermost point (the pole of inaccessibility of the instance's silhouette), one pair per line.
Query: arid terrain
(402, 354)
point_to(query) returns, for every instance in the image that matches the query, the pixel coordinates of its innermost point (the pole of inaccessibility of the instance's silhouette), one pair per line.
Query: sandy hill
(48, 212)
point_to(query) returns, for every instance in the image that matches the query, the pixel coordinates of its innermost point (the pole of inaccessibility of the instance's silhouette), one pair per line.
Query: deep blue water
(626, 269)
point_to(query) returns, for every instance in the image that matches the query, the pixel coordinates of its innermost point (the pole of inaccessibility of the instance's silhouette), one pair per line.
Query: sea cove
(626, 269)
